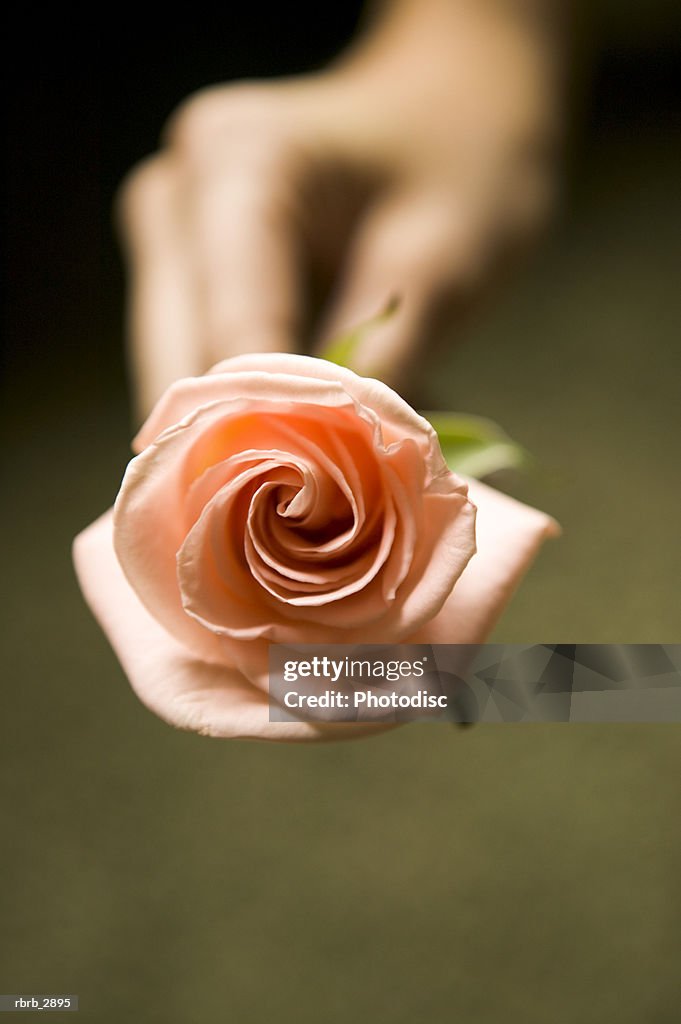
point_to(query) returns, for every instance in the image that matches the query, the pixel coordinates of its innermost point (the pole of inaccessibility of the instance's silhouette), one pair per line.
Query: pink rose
(283, 499)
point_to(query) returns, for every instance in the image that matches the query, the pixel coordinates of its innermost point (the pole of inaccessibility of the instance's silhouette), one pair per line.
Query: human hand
(280, 214)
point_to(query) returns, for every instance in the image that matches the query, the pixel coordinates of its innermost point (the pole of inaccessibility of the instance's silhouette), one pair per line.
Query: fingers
(418, 249)
(163, 318)
(209, 230)
(242, 171)
(244, 249)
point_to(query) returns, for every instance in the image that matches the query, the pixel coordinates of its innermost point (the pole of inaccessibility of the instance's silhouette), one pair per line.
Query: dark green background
(495, 874)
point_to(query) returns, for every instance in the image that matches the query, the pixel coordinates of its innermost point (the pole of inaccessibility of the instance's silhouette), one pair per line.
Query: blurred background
(515, 873)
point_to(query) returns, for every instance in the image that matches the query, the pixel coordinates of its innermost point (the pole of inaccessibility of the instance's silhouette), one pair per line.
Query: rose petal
(184, 691)
(304, 378)
(370, 393)
(218, 701)
(509, 535)
(184, 397)
(150, 525)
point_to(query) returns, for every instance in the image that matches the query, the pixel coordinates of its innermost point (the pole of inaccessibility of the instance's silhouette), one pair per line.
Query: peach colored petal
(222, 595)
(218, 701)
(214, 478)
(217, 588)
(371, 393)
(448, 522)
(340, 471)
(150, 531)
(509, 535)
(279, 374)
(274, 555)
(185, 396)
(183, 690)
(446, 545)
(149, 524)
(331, 586)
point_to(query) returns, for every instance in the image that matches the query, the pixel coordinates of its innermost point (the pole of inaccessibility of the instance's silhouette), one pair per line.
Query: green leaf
(341, 350)
(475, 446)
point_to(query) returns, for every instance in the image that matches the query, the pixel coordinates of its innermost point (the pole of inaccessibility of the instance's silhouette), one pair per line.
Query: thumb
(413, 248)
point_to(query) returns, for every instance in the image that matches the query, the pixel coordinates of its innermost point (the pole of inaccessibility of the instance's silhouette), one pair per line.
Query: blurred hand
(280, 214)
